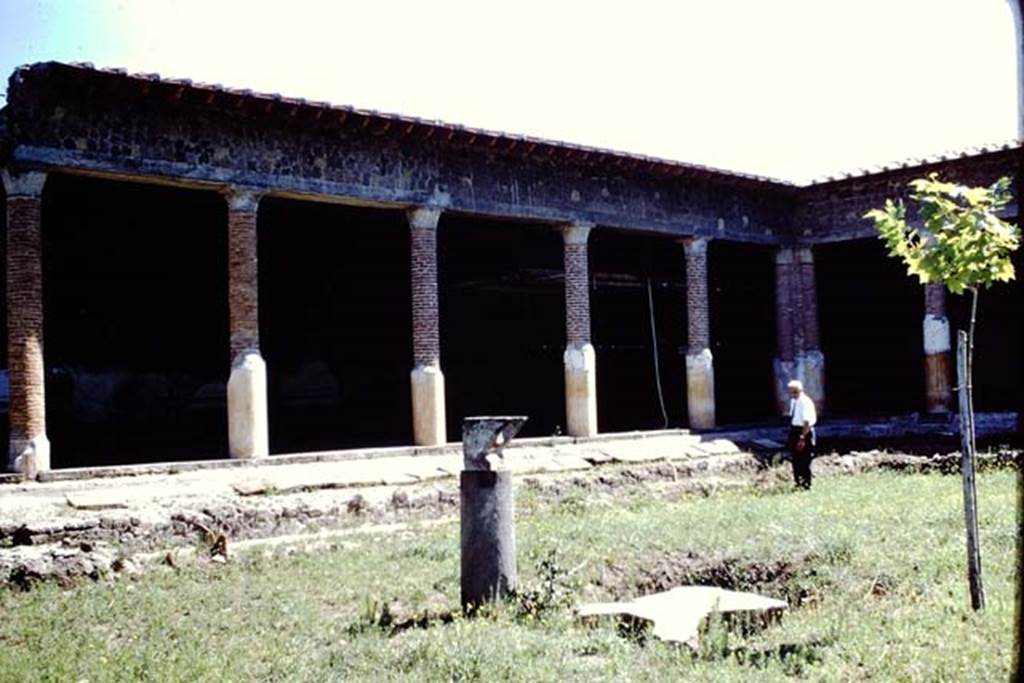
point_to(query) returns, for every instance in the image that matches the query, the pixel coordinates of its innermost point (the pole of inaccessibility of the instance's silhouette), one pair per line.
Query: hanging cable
(654, 346)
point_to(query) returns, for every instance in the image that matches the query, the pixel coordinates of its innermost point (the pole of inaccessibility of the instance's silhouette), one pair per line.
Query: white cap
(795, 384)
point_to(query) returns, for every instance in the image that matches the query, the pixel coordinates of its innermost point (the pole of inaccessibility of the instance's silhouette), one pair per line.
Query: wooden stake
(967, 470)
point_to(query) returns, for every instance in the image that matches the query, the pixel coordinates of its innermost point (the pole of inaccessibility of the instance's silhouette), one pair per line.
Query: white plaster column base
(428, 407)
(785, 370)
(938, 364)
(700, 389)
(247, 407)
(580, 390)
(810, 369)
(936, 334)
(29, 457)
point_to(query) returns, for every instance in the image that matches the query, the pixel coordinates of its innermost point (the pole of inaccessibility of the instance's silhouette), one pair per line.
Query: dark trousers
(801, 459)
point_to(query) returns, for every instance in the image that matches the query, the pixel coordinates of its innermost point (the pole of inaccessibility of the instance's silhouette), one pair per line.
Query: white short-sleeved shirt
(802, 410)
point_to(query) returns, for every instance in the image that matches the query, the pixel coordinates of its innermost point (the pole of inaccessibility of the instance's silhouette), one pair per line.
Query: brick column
(785, 359)
(938, 360)
(700, 371)
(580, 360)
(428, 401)
(29, 449)
(810, 360)
(799, 353)
(247, 385)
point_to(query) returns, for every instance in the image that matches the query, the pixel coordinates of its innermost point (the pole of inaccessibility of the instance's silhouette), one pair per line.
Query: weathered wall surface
(834, 211)
(69, 117)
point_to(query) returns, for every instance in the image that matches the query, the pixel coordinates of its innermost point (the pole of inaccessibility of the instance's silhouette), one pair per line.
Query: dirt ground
(49, 539)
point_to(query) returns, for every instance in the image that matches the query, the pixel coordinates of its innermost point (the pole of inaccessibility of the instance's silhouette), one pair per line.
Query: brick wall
(935, 300)
(698, 321)
(55, 118)
(243, 288)
(425, 327)
(784, 304)
(577, 286)
(808, 300)
(25, 317)
(834, 210)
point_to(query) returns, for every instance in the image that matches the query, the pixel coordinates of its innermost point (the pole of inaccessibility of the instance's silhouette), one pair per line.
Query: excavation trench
(68, 548)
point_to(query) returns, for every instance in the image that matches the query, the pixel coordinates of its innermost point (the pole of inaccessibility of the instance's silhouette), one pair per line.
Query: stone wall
(834, 211)
(72, 117)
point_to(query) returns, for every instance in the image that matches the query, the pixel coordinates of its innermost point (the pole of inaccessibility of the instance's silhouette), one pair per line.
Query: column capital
(424, 217)
(242, 199)
(785, 256)
(25, 184)
(804, 255)
(576, 232)
(695, 246)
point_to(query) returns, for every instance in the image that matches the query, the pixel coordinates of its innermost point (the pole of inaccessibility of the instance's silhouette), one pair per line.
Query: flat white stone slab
(97, 499)
(677, 613)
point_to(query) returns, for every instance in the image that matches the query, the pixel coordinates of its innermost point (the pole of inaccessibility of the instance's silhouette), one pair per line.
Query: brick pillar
(248, 435)
(580, 360)
(29, 449)
(938, 362)
(810, 360)
(700, 371)
(798, 340)
(428, 401)
(785, 328)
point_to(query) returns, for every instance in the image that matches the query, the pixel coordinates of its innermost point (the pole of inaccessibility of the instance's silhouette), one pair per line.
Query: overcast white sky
(786, 88)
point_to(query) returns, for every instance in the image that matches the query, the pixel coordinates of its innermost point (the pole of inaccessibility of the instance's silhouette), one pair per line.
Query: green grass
(883, 558)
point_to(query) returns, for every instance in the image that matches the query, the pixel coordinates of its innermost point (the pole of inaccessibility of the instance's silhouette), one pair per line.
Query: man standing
(802, 439)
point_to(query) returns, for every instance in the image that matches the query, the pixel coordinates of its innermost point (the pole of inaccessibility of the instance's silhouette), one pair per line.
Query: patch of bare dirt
(65, 547)
(795, 580)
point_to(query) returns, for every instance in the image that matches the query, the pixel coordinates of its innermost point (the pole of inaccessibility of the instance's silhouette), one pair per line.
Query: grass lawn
(873, 566)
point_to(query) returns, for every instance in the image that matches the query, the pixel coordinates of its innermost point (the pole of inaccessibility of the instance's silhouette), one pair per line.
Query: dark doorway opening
(5, 395)
(335, 325)
(502, 322)
(136, 322)
(871, 314)
(741, 294)
(997, 338)
(621, 266)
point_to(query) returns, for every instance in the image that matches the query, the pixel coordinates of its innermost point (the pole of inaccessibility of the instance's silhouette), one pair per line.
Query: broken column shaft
(486, 506)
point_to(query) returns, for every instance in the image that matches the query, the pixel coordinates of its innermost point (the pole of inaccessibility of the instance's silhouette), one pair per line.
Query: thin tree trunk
(967, 470)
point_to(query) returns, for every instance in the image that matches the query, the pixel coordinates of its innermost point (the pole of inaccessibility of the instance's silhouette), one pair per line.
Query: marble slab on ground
(716, 447)
(291, 478)
(676, 614)
(97, 499)
(674, 447)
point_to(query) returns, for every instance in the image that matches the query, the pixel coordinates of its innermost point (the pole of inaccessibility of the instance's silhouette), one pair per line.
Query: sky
(793, 89)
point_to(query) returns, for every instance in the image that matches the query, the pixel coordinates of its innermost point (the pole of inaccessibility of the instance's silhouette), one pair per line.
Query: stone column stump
(486, 506)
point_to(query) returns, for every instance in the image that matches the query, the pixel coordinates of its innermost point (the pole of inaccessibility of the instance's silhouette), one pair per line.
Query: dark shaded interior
(741, 296)
(5, 425)
(621, 267)
(335, 325)
(870, 312)
(998, 371)
(136, 340)
(502, 322)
